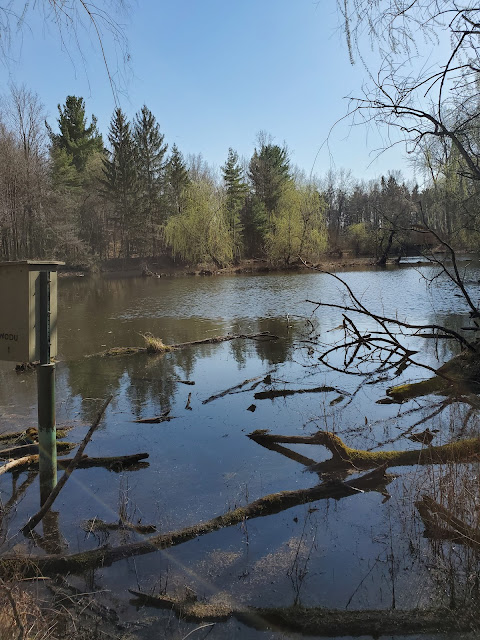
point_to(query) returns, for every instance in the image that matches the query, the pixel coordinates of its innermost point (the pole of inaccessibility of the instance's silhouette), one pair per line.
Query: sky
(214, 73)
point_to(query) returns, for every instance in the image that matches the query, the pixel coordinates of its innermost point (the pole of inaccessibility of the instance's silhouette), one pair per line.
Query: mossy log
(273, 503)
(460, 374)
(128, 351)
(317, 621)
(345, 457)
(410, 390)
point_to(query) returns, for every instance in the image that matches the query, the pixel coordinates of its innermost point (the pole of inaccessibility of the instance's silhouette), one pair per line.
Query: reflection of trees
(149, 380)
(275, 351)
(152, 383)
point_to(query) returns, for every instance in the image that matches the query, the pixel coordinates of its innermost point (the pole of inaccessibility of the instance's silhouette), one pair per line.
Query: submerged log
(345, 457)
(270, 504)
(283, 393)
(441, 522)
(95, 524)
(127, 351)
(231, 390)
(317, 621)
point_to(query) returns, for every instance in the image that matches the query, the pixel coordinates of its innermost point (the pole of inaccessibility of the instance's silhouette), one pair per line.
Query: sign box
(20, 309)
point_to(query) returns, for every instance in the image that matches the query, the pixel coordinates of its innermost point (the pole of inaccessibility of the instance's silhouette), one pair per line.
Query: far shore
(165, 268)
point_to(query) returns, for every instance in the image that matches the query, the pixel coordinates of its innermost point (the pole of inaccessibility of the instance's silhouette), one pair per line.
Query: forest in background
(67, 193)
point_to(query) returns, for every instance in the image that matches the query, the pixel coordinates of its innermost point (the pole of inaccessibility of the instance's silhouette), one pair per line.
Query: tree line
(67, 193)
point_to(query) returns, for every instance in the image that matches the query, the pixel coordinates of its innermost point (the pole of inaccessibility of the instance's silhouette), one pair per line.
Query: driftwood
(317, 621)
(270, 504)
(30, 449)
(282, 393)
(344, 457)
(231, 390)
(35, 519)
(163, 417)
(128, 351)
(113, 463)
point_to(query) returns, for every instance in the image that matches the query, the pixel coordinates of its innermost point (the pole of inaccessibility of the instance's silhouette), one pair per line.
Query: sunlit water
(359, 552)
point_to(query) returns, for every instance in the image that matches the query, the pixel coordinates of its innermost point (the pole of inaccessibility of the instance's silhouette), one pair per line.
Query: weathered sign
(20, 309)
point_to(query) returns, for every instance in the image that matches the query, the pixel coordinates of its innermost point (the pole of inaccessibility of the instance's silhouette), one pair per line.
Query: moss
(404, 392)
(452, 452)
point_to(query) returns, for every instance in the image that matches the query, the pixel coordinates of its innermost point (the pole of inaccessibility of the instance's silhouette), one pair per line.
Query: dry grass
(155, 345)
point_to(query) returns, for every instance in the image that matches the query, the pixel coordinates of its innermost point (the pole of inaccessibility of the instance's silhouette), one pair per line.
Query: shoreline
(161, 268)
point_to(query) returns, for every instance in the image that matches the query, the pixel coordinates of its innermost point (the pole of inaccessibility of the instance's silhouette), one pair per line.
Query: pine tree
(236, 193)
(151, 172)
(269, 172)
(78, 139)
(120, 171)
(177, 180)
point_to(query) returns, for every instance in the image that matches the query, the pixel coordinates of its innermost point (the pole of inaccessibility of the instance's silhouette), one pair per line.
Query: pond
(366, 551)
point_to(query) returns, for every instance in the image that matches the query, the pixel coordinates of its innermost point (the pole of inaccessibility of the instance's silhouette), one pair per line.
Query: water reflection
(364, 551)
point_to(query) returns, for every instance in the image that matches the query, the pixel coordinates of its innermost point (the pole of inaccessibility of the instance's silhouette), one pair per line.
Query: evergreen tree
(177, 180)
(120, 171)
(76, 138)
(236, 193)
(151, 173)
(269, 172)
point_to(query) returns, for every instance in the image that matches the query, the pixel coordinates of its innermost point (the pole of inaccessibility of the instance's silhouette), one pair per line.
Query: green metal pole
(47, 433)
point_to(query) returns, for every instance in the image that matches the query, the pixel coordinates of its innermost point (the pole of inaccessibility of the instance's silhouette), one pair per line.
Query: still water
(366, 551)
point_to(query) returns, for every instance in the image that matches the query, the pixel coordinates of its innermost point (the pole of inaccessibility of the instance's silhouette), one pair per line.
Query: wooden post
(47, 432)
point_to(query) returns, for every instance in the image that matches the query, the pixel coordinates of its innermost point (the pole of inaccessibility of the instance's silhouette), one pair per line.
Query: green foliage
(150, 154)
(361, 238)
(269, 172)
(298, 229)
(120, 182)
(200, 232)
(177, 180)
(64, 173)
(236, 193)
(76, 138)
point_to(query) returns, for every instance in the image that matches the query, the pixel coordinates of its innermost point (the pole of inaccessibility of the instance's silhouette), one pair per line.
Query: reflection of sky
(201, 462)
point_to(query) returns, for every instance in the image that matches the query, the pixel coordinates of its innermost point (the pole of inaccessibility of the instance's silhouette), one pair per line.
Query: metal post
(47, 433)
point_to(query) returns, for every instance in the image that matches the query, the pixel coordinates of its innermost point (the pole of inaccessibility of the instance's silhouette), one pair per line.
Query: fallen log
(127, 351)
(270, 504)
(317, 621)
(283, 393)
(29, 449)
(345, 457)
(30, 435)
(113, 463)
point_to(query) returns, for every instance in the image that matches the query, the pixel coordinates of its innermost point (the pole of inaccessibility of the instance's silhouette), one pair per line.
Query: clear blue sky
(214, 73)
